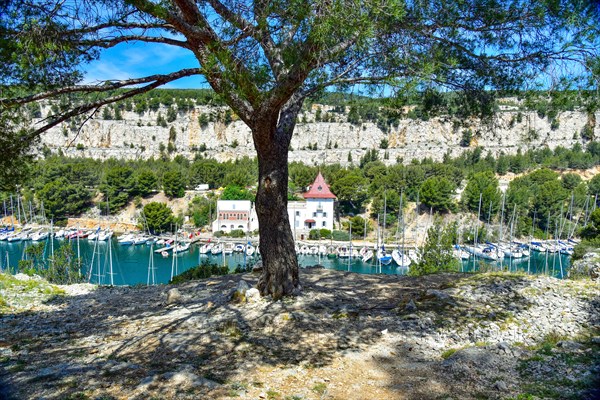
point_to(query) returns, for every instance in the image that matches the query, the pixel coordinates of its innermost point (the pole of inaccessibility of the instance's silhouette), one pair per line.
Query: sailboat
(217, 248)
(366, 254)
(206, 247)
(180, 248)
(399, 254)
(383, 257)
(250, 250)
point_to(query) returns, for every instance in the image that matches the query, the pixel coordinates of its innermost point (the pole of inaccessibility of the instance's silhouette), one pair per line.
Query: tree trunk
(280, 264)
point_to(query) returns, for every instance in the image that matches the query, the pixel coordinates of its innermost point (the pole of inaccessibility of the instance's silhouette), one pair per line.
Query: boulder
(174, 296)
(252, 295)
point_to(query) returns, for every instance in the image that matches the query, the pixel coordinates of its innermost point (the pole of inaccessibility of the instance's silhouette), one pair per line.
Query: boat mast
(512, 225)
(18, 209)
(378, 249)
(384, 217)
(12, 213)
(364, 234)
(110, 261)
(30, 212)
(547, 225)
(502, 226)
(403, 228)
(78, 251)
(52, 241)
(151, 267)
(24, 213)
(350, 254)
(174, 261)
(476, 231)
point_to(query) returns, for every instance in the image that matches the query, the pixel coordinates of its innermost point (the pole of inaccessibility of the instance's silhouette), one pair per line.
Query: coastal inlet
(141, 264)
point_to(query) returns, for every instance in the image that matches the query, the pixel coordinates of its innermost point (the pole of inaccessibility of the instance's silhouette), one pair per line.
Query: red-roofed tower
(316, 212)
(319, 190)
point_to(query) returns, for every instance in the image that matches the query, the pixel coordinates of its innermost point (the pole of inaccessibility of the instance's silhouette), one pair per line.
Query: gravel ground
(348, 336)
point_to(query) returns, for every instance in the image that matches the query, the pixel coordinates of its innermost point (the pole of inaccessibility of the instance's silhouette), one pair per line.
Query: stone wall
(139, 136)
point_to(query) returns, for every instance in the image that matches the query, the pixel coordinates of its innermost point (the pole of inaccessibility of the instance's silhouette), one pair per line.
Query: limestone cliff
(140, 136)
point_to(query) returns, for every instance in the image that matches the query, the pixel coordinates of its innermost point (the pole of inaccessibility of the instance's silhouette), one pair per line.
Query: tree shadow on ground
(127, 342)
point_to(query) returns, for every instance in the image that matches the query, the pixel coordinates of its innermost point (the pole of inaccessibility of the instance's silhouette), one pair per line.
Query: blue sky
(136, 60)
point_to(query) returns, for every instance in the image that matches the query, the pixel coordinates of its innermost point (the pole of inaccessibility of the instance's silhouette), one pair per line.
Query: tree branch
(120, 25)
(104, 87)
(90, 106)
(107, 43)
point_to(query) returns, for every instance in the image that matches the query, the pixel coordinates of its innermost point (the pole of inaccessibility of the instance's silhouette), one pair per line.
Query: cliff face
(139, 136)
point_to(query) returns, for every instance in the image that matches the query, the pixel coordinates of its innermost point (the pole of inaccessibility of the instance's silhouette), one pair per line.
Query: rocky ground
(348, 336)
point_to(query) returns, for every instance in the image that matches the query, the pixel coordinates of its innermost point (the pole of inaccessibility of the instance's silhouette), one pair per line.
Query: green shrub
(436, 253)
(316, 234)
(202, 271)
(341, 236)
(237, 233)
(586, 246)
(325, 233)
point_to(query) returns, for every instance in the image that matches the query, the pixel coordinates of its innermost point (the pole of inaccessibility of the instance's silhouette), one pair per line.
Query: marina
(129, 260)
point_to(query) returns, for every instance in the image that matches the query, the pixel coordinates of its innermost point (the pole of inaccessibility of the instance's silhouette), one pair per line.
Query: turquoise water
(130, 263)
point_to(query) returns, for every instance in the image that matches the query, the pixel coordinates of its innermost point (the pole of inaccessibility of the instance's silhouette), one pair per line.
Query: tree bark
(272, 136)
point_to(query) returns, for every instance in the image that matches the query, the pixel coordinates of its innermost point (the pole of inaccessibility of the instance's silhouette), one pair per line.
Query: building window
(297, 224)
(324, 223)
(314, 214)
(324, 214)
(297, 213)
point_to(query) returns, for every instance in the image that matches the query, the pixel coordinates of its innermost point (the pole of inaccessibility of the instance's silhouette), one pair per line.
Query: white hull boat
(400, 258)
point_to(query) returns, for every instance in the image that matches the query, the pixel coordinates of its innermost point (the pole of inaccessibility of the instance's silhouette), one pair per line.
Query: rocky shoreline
(348, 336)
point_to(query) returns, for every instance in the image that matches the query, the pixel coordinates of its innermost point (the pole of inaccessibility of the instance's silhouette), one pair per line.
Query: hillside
(214, 132)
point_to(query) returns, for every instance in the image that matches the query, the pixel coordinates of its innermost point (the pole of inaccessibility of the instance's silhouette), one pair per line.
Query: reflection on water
(130, 264)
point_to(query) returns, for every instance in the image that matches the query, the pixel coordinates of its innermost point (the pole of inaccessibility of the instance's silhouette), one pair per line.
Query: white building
(316, 212)
(235, 214)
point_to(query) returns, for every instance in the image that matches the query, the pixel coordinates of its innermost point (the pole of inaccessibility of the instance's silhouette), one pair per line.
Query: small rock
(410, 316)
(239, 294)
(410, 307)
(145, 383)
(384, 332)
(440, 295)
(185, 380)
(258, 267)
(504, 346)
(569, 345)
(22, 277)
(174, 296)
(252, 295)
(501, 386)
(242, 286)
(595, 340)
